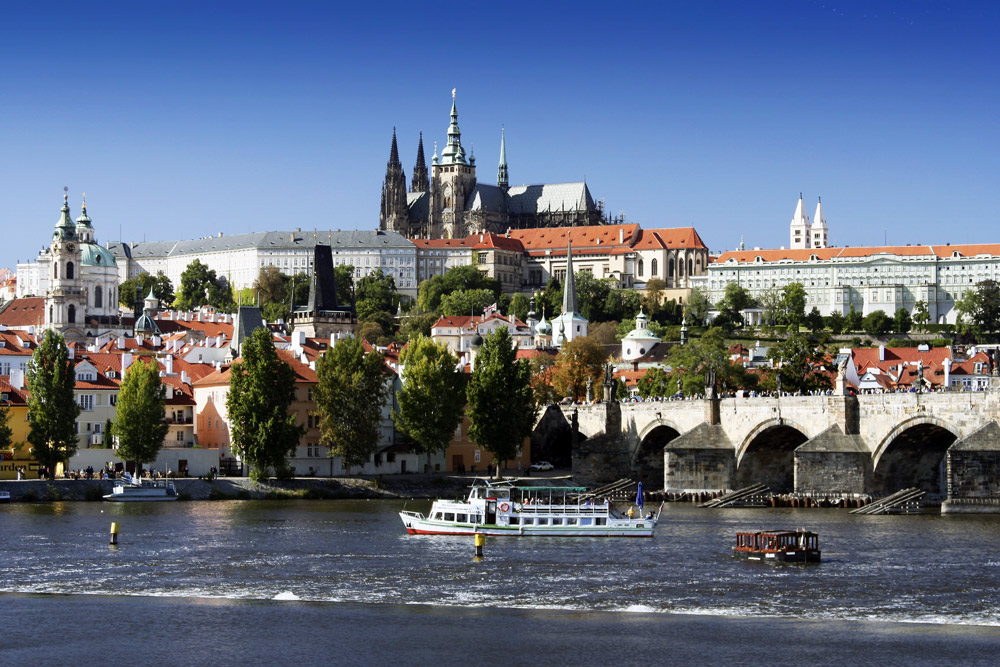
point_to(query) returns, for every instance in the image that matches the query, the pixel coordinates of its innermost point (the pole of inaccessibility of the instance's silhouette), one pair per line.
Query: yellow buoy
(114, 533)
(480, 543)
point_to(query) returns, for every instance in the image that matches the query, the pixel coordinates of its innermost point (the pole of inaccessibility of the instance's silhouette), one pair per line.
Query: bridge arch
(913, 454)
(647, 458)
(767, 455)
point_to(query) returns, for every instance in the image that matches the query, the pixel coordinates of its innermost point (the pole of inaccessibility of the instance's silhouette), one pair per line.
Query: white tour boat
(132, 489)
(529, 510)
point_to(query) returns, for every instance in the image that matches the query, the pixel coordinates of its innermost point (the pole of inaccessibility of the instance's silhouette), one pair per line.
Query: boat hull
(124, 498)
(418, 525)
(794, 556)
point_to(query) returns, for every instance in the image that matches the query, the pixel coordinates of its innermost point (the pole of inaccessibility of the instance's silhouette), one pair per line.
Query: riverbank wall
(242, 488)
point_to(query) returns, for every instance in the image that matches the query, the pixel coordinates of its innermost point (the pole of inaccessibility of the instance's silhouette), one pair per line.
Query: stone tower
(65, 304)
(393, 215)
(420, 182)
(453, 177)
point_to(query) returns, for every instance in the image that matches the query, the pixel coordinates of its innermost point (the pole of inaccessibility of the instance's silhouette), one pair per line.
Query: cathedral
(452, 203)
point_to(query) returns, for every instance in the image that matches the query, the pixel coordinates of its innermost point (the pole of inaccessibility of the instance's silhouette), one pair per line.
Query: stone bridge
(947, 443)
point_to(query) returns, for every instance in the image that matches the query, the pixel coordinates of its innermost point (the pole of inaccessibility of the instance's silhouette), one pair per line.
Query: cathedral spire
(393, 215)
(502, 169)
(420, 182)
(64, 226)
(394, 154)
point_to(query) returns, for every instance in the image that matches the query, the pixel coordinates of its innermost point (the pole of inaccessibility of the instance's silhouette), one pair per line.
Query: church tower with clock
(65, 304)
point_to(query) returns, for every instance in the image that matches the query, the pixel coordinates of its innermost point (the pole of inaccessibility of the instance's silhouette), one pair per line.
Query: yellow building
(17, 456)
(465, 455)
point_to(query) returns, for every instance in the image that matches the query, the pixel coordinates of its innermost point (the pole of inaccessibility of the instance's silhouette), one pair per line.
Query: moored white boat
(528, 510)
(136, 489)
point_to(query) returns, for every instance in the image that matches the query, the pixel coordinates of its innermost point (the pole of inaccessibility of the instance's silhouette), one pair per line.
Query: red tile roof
(24, 312)
(803, 254)
(677, 237)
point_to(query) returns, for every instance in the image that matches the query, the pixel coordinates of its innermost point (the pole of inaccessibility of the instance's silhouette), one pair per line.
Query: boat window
(473, 518)
(502, 493)
(571, 521)
(514, 520)
(437, 515)
(449, 516)
(528, 521)
(601, 521)
(543, 521)
(557, 522)
(586, 522)
(461, 518)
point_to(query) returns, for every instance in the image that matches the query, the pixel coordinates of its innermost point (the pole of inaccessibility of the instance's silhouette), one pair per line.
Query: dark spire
(393, 214)
(420, 182)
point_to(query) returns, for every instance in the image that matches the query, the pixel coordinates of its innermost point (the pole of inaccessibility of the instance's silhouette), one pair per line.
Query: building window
(87, 402)
(180, 436)
(652, 268)
(639, 270)
(69, 271)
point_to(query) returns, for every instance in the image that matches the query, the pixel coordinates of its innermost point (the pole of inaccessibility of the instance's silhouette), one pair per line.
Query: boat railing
(545, 508)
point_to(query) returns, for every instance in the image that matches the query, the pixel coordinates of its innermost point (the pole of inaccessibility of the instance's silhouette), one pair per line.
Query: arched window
(50, 314)
(55, 270)
(69, 270)
(638, 270)
(670, 268)
(98, 294)
(71, 314)
(690, 265)
(652, 268)
(680, 268)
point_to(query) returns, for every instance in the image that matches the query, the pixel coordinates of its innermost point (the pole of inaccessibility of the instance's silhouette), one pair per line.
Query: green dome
(94, 255)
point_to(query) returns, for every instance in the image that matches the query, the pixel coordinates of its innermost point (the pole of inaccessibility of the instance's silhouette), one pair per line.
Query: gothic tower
(820, 232)
(393, 215)
(453, 178)
(420, 182)
(65, 304)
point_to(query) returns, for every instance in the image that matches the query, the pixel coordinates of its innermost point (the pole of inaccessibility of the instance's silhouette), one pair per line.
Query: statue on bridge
(609, 383)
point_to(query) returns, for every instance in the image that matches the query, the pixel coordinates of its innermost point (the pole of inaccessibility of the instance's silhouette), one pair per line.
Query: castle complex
(452, 203)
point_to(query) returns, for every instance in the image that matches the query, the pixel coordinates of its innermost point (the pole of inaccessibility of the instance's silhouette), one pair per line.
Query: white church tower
(800, 232)
(819, 230)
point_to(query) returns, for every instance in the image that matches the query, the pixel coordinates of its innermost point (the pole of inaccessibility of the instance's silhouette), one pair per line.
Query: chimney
(121, 342)
(17, 378)
(185, 378)
(126, 362)
(168, 364)
(881, 352)
(170, 391)
(947, 372)
(72, 352)
(621, 235)
(157, 341)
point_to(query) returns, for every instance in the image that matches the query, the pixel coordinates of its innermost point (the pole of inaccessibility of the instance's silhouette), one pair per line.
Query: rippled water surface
(929, 569)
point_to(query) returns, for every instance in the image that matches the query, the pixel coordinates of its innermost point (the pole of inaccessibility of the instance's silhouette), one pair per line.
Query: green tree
(694, 364)
(343, 274)
(200, 286)
(417, 323)
(141, 417)
(579, 359)
(376, 300)
(736, 299)
(697, 307)
(835, 321)
(770, 301)
(501, 402)
(132, 292)
(466, 302)
(520, 304)
(656, 382)
(814, 321)
(854, 321)
(921, 316)
(623, 304)
(902, 321)
(550, 300)
(435, 288)
(541, 379)
(981, 306)
(592, 295)
(876, 323)
(349, 397)
(793, 304)
(6, 432)
(261, 391)
(799, 364)
(51, 403)
(432, 397)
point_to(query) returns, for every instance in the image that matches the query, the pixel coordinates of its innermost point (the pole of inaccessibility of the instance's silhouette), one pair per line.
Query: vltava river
(256, 575)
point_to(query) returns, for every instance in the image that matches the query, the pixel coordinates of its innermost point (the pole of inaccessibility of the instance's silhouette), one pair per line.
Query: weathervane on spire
(65, 192)
(453, 93)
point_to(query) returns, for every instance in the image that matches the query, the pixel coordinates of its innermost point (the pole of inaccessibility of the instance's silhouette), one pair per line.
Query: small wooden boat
(782, 546)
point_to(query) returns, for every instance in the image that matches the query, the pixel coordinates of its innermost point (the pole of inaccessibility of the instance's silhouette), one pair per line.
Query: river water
(338, 582)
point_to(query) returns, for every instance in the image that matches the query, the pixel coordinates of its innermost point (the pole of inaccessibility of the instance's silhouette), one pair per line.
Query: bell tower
(453, 177)
(65, 304)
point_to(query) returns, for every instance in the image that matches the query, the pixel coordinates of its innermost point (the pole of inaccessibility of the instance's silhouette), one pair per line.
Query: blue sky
(182, 120)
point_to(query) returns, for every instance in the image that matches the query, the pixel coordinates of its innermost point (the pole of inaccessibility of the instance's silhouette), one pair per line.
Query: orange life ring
(504, 507)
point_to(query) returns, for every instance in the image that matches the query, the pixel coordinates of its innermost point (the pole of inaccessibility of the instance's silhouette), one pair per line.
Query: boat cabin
(779, 545)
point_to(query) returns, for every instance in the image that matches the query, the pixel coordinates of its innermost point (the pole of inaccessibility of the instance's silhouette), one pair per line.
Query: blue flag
(638, 497)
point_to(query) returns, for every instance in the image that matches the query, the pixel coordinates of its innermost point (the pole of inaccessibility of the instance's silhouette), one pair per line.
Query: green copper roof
(92, 254)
